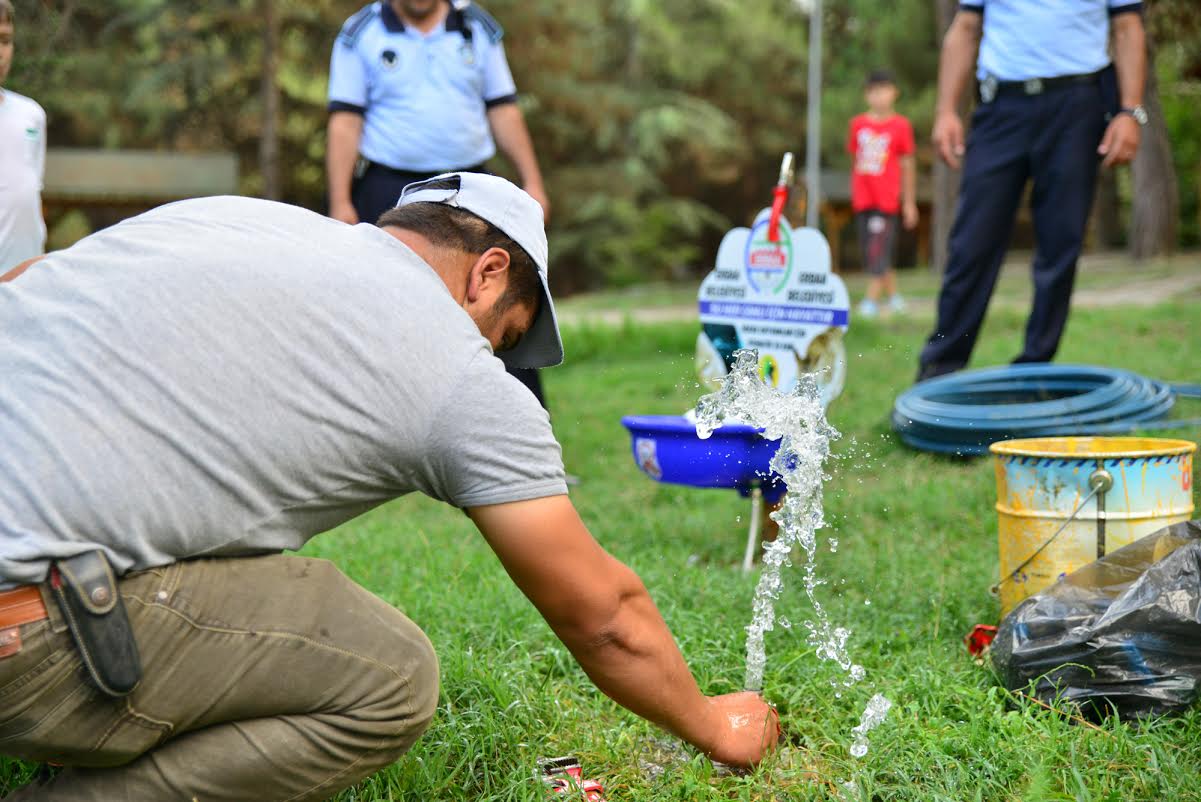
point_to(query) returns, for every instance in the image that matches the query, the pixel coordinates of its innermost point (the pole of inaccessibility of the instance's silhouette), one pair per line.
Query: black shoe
(935, 369)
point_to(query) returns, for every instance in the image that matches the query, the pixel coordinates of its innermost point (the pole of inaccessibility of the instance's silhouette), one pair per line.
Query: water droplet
(873, 715)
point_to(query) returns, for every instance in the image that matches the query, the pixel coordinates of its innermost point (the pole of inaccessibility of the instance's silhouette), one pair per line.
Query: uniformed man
(1051, 108)
(417, 88)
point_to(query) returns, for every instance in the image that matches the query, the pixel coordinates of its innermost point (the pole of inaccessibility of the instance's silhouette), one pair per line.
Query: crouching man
(198, 388)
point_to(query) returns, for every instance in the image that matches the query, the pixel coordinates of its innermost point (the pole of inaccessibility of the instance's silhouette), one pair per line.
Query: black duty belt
(363, 165)
(992, 88)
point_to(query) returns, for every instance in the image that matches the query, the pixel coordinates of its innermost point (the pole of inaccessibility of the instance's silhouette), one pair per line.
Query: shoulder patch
(486, 21)
(353, 27)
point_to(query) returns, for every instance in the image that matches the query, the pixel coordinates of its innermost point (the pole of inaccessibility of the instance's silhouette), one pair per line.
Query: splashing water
(877, 708)
(798, 421)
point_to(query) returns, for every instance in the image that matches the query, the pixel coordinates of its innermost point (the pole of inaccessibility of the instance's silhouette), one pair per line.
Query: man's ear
(488, 275)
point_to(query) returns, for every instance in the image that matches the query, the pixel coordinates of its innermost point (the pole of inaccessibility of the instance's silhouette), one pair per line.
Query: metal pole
(813, 118)
(752, 535)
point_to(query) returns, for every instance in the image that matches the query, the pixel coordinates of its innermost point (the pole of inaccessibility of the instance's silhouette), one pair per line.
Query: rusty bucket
(1062, 502)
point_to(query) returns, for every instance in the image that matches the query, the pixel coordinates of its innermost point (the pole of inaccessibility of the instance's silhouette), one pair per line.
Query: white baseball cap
(519, 216)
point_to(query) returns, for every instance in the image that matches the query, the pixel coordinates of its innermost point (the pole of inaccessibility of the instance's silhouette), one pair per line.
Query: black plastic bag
(1121, 635)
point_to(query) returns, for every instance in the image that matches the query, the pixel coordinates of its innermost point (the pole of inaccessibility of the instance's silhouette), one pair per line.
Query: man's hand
(909, 215)
(1120, 142)
(538, 193)
(344, 211)
(747, 729)
(948, 138)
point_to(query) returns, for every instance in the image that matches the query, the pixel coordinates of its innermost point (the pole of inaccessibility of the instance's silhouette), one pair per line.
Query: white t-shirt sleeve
(491, 443)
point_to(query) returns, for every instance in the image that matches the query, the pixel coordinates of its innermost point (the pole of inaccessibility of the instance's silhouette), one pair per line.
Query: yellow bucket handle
(1100, 481)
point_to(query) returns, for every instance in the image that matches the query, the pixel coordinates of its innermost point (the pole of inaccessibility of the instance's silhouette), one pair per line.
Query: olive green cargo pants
(264, 678)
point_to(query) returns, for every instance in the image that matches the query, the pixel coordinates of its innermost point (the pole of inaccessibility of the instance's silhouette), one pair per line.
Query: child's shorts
(877, 240)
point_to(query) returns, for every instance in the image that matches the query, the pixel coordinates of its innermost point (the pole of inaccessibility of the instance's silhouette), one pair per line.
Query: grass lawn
(1098, 272)
(917, 553)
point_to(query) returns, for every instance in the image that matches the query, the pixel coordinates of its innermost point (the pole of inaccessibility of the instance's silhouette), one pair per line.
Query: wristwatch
(1137, 112)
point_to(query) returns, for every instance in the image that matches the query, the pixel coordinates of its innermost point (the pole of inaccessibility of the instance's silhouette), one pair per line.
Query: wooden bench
(110, 185)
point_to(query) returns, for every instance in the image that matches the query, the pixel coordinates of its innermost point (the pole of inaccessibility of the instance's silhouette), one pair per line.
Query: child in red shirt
(883, 180)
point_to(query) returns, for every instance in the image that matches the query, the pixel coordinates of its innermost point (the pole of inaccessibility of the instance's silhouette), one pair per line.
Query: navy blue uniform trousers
(1051, 138)
(378, 190)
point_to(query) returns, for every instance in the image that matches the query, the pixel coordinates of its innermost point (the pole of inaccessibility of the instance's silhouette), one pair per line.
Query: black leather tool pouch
(91, 604)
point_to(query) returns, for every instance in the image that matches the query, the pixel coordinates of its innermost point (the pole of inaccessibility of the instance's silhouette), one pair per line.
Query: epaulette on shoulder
(353, 28)
(473, 13)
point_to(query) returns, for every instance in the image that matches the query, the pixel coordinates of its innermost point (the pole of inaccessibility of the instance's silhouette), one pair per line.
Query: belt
(991, 88)
(21, 605)
(364, 164)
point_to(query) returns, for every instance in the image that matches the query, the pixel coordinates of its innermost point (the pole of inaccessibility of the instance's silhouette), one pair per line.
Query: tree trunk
(269, 136)
(945, 180)
(1156, 203)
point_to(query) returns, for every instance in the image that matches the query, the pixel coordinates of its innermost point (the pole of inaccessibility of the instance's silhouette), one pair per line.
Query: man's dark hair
(461, 230)
(880, 76)
(6, 12)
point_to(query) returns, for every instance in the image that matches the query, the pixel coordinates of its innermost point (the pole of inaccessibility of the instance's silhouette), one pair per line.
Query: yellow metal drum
(1064, 501)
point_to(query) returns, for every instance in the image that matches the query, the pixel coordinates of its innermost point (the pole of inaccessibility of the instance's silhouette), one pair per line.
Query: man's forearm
(601, 611)
(342, 150)
(513, 138)
(958, 57)
(636, 662)
(1130, 58)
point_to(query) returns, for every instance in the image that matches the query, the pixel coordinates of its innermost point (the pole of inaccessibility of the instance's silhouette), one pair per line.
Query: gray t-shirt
(230, 376)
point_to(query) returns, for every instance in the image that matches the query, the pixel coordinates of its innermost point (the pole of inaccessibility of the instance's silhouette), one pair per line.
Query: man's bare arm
(955, 65)
(1120, 142)
(513, 138)
(21, 268)
(345, 129)
(602, 612)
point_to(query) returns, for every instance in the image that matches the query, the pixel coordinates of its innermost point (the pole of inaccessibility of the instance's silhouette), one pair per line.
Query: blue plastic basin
(667, 449)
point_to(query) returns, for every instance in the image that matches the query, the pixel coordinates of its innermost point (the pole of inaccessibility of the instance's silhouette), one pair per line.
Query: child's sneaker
(897, 303)
(868, 308)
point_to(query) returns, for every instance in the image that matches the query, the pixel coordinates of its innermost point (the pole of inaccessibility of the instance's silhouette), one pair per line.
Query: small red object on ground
(564, 775)
(979, 639)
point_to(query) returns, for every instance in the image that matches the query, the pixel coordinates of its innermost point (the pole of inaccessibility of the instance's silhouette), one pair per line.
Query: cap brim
(541, 347)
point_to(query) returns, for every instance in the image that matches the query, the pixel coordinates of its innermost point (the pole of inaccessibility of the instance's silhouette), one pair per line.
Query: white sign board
(779, 298)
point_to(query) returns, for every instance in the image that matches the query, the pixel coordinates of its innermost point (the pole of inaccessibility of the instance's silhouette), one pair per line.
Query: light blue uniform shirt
(1026, 39)
(424, 97)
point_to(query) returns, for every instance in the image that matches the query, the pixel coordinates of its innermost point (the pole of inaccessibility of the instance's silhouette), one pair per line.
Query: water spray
(798, 421)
